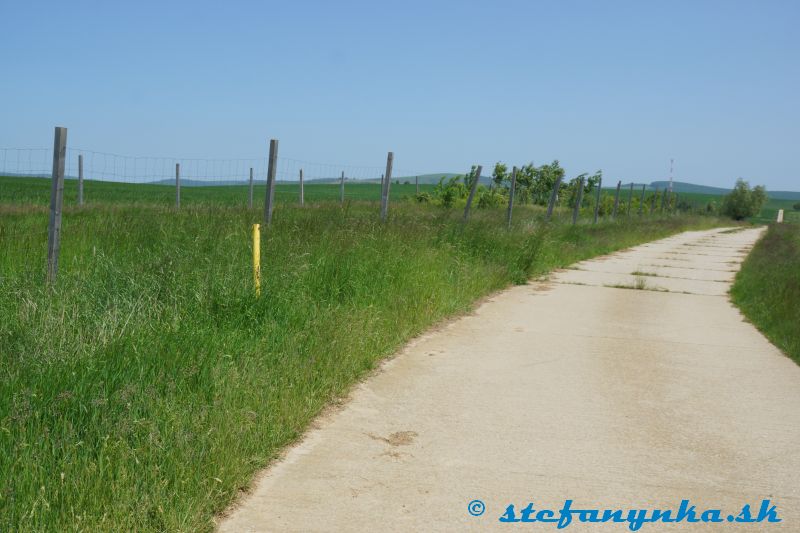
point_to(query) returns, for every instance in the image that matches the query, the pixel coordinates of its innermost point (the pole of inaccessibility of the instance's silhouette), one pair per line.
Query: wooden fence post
(417, 179)
(177, 185)
(386, 182)
(250, 192)
(511, 195)
(341, 190)
(597, 200)
(653, 201)
(616, 200)
(553, 197)
(641, 200)
(577, 209)
(271, 169)
(472, 189)
(56, 203)
(80, 179)
(302, 192)
(630, 199)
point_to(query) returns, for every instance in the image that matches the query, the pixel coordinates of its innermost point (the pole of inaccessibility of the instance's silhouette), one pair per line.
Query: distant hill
(216, 183)
(682, 186)
(430, 179)
(783, 195)
(198, 183)
(433, 179)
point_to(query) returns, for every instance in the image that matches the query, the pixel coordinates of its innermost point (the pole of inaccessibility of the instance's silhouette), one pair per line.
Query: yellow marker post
(257, 258)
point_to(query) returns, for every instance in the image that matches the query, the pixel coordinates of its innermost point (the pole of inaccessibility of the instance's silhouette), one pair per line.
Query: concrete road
(613, 389)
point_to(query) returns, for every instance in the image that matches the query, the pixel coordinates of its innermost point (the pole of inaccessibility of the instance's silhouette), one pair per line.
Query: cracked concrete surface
(570, 389)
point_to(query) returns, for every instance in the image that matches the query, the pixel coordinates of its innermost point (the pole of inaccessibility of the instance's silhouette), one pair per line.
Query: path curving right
(626, 381)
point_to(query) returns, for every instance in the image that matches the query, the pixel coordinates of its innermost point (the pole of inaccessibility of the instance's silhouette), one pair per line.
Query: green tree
(526, 176)
(471, 176)
(590, 182)
(545, 178)
(491, 197)
(535, 184)
(448, 191)
(500, 175)
(743, 202)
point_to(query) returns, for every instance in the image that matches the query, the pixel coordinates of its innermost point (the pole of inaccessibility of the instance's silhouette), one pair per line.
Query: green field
(767, 288)
(770, 211)
(699, 201)
(21, 191)
(144, 389)
(37, 191)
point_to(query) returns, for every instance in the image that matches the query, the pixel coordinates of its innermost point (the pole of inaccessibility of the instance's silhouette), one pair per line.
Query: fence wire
(117, 168)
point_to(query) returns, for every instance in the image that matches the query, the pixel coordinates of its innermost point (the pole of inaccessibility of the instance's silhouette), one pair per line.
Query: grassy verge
(767, 288)
(145, 389)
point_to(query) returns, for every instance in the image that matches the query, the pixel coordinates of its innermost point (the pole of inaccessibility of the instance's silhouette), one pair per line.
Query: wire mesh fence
(142, 170)
(27, 179)
(96, 176)
(110, 177)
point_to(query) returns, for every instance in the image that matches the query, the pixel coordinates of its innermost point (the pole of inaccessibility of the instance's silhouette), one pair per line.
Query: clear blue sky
(611, 85)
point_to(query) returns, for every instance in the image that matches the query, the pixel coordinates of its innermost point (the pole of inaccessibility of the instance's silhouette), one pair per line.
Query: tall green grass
(767, 288)
(144, 389)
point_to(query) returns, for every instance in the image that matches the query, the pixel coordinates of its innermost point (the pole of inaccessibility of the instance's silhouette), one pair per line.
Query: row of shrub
(534, 186)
